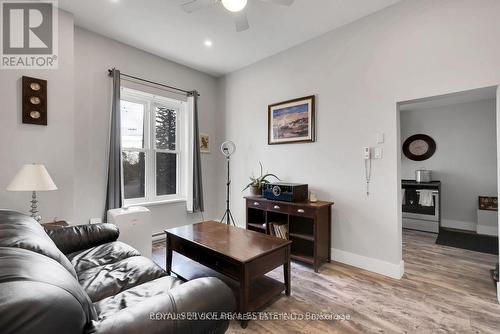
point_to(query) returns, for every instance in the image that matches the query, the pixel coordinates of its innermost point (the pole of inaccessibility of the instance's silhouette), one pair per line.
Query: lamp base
(34, 208)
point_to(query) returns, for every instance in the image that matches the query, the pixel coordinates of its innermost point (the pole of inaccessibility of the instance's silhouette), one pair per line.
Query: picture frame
(204, 143)
(489, 203)
(292, 121)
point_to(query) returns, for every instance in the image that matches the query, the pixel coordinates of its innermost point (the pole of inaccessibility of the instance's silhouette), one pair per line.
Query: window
(153, 154)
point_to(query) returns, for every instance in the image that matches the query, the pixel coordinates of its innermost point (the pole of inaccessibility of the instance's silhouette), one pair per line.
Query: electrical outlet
(378, 153)
(95, 220)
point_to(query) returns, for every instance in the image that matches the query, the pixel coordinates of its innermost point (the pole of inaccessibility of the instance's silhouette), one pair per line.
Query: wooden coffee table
(243, 256)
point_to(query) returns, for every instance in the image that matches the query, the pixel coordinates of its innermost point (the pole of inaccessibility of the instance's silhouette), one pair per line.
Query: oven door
(413, 210)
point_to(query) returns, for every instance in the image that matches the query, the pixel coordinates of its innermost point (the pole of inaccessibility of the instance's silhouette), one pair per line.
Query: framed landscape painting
(291, 121)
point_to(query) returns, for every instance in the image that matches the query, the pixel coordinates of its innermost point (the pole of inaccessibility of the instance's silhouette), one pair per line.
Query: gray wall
(465, 160)
(359, 72)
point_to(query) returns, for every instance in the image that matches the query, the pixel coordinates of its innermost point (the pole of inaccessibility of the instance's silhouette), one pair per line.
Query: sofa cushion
(21, 231)
(107, 280)
(70, 239)
(38, 295)
(137, 294)
(101, 255)
(202, 295)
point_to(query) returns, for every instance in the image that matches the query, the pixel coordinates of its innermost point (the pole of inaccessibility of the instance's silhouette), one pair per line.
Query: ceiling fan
(236, 7)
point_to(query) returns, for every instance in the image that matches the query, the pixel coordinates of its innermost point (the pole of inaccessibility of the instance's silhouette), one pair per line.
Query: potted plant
(256, 183)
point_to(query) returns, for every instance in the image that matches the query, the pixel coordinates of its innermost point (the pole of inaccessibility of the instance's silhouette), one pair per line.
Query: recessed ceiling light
(208, 43)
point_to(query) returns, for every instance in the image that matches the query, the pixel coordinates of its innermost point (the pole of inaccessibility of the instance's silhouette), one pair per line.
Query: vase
(255, 191)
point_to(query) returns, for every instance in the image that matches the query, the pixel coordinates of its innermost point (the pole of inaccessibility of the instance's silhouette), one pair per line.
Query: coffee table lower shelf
(302, 258)
(263, 290)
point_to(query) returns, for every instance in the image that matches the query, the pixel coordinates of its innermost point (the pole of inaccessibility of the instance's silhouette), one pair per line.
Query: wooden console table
(308, 225)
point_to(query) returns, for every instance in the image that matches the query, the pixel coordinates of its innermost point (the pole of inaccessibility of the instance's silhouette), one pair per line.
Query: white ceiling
(161, 27)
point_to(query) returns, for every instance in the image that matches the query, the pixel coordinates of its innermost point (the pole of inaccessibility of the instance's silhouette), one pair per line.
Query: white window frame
(150, 101)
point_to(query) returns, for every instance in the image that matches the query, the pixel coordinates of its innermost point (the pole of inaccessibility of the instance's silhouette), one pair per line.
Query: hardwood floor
(443, 290)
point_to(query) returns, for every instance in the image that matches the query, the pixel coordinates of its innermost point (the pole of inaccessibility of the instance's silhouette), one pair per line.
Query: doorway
(448, 162)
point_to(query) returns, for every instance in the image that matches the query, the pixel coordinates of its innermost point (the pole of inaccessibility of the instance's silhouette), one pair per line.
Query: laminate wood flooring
(443, 290)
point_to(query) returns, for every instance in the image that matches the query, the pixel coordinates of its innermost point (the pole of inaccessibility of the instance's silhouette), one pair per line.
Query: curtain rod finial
(110, 71)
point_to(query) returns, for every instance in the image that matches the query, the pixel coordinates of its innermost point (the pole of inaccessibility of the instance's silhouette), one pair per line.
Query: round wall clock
(419, 147)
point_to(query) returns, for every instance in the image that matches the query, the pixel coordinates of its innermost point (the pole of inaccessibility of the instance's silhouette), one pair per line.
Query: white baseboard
(458, 224)
(158, 237)
(487, 230)
(498, 292)
(368, 263)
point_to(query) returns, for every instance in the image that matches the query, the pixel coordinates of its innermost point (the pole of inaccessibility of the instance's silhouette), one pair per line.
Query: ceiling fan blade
(280, 2)
(194, 5)
(241, 21)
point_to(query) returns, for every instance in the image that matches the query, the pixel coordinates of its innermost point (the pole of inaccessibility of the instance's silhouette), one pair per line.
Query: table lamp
(32, 177)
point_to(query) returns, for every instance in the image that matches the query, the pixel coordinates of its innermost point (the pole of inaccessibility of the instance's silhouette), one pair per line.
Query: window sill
(154, 203)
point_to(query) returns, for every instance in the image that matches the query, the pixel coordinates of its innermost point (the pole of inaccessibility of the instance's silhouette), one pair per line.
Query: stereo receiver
(287, 192)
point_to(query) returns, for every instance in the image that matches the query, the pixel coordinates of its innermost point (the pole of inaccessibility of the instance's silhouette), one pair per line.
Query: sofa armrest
(164, 313)
(70, 239)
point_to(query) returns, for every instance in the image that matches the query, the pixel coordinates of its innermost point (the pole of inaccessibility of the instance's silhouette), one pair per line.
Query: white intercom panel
(368, 167)
(372, 153)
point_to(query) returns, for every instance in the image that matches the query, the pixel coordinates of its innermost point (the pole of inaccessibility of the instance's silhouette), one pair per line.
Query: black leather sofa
(82, 280)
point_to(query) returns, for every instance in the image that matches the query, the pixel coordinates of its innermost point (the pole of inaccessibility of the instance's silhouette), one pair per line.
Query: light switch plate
(95, 220)
(379, 153)
(380, 138)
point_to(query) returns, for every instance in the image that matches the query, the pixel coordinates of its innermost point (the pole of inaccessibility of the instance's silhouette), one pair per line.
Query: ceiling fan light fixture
(234, 5)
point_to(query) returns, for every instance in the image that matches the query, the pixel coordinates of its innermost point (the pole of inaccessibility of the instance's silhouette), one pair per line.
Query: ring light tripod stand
(228, 148)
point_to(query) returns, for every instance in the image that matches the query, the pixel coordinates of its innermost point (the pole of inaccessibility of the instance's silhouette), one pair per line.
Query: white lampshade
(32, 177)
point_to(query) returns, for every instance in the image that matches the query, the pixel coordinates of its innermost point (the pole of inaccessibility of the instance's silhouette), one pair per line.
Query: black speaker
(287, 192)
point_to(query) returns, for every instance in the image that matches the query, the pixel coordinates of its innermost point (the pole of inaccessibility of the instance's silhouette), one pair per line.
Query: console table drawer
(257, 204)
(303, 211)
(278, 207)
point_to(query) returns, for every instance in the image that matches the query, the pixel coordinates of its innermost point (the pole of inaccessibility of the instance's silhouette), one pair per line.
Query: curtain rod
(110, 73)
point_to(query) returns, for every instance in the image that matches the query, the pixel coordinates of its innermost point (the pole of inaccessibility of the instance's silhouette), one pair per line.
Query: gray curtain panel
(197, 181)
(114, 198)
